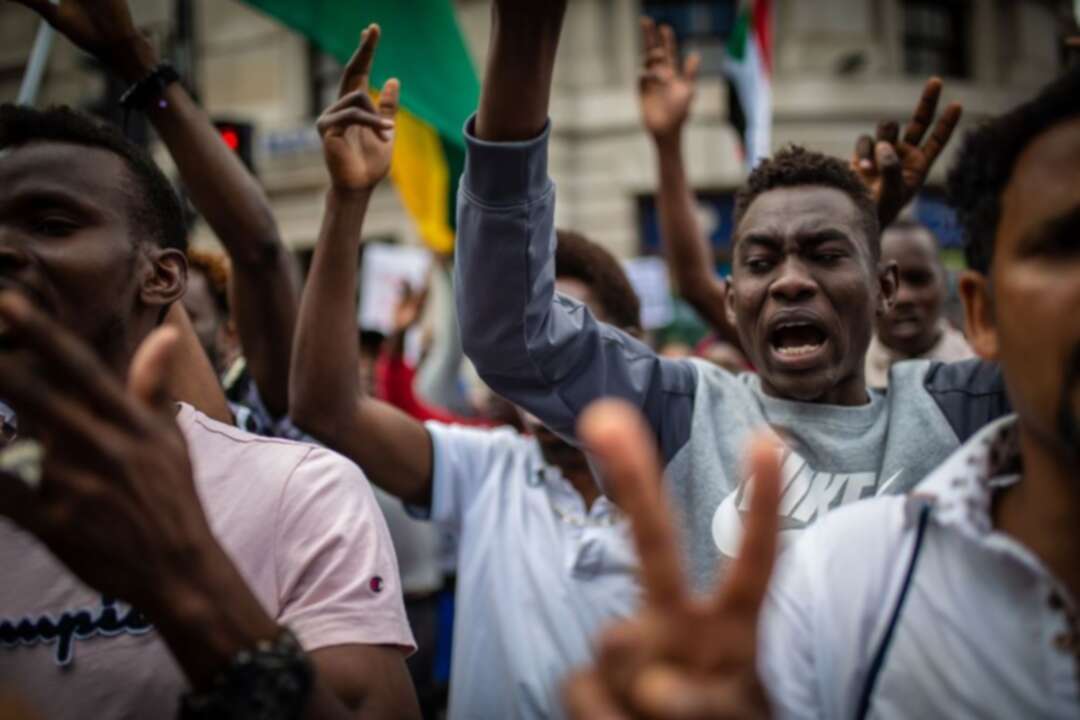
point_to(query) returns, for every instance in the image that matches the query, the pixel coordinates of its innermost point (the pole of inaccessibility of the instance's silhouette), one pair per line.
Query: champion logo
(376, 584)
(807, 495)
(109, 619)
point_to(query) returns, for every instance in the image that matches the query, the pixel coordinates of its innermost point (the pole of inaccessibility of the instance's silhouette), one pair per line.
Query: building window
(936, 38)
(700, 25)
(325, 74)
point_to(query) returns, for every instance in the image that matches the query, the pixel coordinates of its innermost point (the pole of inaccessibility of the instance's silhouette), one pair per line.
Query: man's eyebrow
(823, 235)
(44, 197)
(761, 239)
(1068, 222)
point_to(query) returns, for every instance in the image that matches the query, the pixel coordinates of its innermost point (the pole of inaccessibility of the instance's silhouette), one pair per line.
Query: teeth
(797, 351)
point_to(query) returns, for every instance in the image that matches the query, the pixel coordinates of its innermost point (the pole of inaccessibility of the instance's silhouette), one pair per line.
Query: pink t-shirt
(301, 524)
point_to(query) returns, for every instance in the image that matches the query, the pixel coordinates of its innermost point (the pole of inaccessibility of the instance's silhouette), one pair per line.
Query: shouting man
(807, 285)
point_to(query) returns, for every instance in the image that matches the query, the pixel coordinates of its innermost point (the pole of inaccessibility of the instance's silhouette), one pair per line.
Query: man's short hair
(987, 156)
(154, 208)
(795, 166)
(581, 259)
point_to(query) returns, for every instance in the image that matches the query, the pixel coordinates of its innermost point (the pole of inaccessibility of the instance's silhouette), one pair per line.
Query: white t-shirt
(299, 521)
(538, 577)
(983, 632)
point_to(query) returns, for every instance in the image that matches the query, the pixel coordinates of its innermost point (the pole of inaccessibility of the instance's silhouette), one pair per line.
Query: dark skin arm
(327, 399)
(666, 93)
(516, 92)
(265, 278)
(116, 453)
(193, 379)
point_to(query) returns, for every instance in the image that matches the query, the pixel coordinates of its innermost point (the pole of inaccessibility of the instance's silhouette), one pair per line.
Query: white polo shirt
(538, 576)
(985, 632)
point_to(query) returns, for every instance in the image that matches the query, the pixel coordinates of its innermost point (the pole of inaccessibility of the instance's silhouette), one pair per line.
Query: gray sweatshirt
(547, 353)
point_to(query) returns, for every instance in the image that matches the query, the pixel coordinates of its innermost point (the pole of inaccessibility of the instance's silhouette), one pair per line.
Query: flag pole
(35, 66)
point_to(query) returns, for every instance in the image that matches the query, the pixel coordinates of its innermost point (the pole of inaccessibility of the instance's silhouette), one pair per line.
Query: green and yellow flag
(421, 45)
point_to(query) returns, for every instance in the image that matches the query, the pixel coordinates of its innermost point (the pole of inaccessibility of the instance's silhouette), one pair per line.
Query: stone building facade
(840, 66)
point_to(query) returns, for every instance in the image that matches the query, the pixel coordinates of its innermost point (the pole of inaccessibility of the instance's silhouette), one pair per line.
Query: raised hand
(665, 89)
(357, 135)
(103, 28)
(410, 307)
(894, 167)
(681, 657)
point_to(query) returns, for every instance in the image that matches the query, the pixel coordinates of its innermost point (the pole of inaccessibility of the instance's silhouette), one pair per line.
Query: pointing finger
(671, 47)
(617, 436)
(357, 70)
(924, 112)
(650, 39)
(888, 131)
(744, 587)
(691, 66)
(864, 153)
(941, 133)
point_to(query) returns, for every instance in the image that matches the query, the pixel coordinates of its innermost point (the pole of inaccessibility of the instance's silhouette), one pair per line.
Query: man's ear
(729, 302)
(166, 277)
(979, 314)
(888, 285)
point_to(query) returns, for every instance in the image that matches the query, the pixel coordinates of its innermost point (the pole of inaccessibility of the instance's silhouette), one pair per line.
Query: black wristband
(272, 681)
(142, 93)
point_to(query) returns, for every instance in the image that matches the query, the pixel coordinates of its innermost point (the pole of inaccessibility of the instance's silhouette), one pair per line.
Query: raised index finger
(614, 432)
(924, 112)
(743, 589)
(358, 69)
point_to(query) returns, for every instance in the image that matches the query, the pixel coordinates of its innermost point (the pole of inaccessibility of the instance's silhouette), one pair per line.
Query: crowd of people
(220, 499)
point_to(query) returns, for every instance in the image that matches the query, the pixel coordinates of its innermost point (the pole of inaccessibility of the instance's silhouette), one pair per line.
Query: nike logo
(806, 495)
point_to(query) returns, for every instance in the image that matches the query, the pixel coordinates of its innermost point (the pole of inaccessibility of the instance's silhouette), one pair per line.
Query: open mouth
(797, 342)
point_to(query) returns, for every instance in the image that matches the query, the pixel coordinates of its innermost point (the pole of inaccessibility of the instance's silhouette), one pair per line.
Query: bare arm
(666, 92)
(521, 60)
(326, 398)
(265, 277)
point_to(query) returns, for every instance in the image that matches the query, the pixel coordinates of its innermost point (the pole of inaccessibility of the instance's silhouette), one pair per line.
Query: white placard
(649, 276)
(385, 267)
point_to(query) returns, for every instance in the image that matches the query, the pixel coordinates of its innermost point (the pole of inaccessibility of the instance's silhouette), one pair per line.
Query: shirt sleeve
(338, 579)
(464, 460)
(543, 351)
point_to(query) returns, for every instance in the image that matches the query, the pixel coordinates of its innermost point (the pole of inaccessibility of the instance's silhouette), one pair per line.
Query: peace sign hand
(894, 168)
(665, 90)
(357, 135)
(681, 657)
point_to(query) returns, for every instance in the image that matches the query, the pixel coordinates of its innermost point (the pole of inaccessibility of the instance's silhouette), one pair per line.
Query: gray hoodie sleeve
(544, 351)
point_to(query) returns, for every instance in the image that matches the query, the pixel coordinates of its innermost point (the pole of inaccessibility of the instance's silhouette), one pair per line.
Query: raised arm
(265, 277)
(544, 352)
(326, 398)
(666, 92)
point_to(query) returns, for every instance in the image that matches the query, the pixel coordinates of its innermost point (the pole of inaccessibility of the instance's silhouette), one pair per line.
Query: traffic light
(238, 136)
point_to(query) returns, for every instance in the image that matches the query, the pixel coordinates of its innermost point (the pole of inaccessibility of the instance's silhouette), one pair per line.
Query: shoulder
(462, 439)
(970, 393)
(221, 452)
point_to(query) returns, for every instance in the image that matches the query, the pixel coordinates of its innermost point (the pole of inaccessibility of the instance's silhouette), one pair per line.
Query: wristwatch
(150, 89)
(272, 681)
